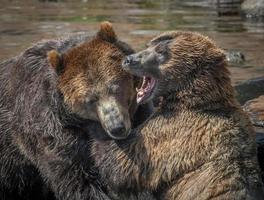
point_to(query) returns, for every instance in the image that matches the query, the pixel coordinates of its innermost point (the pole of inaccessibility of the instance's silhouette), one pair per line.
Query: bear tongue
(140, 96)
(145, 89)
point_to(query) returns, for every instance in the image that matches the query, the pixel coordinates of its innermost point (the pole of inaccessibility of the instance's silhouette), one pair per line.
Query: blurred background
(237, 26)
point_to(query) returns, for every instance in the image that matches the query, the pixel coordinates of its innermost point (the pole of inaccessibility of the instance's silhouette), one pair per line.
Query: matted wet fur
(49, 95)
(200, 144)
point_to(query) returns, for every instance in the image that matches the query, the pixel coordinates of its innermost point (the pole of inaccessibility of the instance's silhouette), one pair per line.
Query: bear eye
(90, 101)
(162, 47)
(114, 89)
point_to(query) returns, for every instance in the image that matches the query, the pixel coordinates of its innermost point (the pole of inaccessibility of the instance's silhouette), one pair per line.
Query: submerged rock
(255, 109)
(252, 92)
(251, 9)
(227, 7)
(234, 56)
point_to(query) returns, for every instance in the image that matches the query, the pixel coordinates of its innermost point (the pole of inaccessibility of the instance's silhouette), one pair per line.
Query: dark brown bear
(51, 96)
(199, 145)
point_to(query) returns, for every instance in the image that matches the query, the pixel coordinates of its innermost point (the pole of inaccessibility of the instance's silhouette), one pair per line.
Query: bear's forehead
(98, 55)
(180, 36)
(110, 87)
(112, 81)
(96, 63)
(105, 72)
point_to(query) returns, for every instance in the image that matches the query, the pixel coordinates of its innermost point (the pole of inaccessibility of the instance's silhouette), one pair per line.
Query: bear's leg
(212, 183)
(66, 166)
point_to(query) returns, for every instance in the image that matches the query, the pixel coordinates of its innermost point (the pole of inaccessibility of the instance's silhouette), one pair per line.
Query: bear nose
(127, 61)
(130, 60)
(119, 132)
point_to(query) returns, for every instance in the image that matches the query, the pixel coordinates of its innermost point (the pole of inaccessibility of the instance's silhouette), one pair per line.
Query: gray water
(24, 22)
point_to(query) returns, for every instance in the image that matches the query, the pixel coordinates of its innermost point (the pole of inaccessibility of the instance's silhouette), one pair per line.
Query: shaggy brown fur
(199, 144)
(94, 85)
(46, 114)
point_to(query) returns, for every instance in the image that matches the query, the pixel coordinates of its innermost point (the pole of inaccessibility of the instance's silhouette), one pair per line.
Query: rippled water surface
(24, 22)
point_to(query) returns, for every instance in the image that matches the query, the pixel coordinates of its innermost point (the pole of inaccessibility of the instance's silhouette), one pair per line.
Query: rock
(250, 89)
(255, 109)
(253, 9)
(260, 143)
(235, 57)
(260, 136)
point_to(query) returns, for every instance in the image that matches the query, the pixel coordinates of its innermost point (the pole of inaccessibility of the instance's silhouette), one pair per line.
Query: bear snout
(119, 131)
(115, 120)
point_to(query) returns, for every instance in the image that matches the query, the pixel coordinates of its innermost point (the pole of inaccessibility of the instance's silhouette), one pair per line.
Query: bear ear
(107, 32)
(166, 38)
(55, 60)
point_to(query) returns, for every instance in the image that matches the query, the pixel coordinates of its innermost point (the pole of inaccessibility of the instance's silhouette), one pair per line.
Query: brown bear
(199, 144)
(52, 97)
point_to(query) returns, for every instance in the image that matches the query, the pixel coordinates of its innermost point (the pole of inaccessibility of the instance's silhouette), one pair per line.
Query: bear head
(94, 85)
(184, 66)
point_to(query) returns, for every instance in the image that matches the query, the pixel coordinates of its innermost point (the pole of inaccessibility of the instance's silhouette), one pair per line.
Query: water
(24, 22)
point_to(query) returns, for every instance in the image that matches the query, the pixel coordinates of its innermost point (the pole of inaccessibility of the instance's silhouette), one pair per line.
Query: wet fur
(36, 138)
(44, 145)
(199, 144)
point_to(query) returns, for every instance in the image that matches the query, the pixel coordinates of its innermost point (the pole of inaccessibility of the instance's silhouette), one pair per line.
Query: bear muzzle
(114, 120)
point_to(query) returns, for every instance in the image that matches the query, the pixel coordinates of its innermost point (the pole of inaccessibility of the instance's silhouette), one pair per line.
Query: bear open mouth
(146, 89)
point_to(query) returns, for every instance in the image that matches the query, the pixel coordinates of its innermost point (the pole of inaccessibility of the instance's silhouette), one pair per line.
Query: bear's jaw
(145, 92)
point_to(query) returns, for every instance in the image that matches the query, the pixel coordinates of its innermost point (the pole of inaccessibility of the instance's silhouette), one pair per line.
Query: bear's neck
(203, 94)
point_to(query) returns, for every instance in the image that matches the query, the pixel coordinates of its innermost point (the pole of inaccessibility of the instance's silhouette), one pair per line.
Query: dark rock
(255, 109)
(260, 143)
(260, 136)
(250, 89)
(252, 92)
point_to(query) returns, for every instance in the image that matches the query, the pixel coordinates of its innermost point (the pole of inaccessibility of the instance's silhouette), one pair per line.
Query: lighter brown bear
(200, 144)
